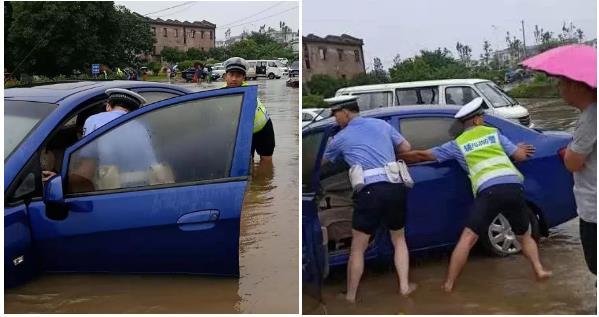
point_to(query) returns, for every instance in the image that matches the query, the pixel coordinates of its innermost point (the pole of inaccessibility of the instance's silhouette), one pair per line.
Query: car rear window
(425, 133)
(20, 118)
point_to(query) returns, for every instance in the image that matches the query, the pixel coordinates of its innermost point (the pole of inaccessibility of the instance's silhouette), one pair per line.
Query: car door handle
(199, 220)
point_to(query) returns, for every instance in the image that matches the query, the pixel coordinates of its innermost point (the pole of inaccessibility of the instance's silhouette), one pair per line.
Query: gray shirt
(585, 180)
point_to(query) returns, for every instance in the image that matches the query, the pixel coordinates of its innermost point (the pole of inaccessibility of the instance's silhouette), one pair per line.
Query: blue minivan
(439, 202)
(182, 217)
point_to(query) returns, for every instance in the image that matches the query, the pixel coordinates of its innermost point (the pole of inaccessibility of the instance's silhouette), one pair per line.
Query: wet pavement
(268, 280)
(488, 285)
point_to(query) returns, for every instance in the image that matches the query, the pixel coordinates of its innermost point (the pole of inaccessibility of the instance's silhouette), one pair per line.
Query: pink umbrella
(577, 62)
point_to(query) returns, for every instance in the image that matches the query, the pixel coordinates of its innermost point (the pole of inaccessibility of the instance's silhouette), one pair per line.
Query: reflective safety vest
(261, 117)
(485, 157)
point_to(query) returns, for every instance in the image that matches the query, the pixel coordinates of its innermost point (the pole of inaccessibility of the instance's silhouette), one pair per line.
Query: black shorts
(263, 141)
(378, 202)
(588, 237)
(507, 199)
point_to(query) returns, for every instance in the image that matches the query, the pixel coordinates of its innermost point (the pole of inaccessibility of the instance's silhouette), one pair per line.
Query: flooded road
(268, 256)
(488, 285)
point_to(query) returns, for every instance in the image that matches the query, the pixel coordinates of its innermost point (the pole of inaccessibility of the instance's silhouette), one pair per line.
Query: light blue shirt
(129, 146)
(368, 142)
(451, 151)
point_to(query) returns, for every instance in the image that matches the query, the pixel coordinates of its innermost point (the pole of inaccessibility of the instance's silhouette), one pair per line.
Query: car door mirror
(53, 193)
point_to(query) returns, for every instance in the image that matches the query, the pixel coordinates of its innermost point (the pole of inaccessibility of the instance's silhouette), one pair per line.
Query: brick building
(336, 56)
(182, 35)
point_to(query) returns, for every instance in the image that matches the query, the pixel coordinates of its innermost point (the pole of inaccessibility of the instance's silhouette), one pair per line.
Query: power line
(250, 16)
(185, 3)
(177, 11)
(264, 18)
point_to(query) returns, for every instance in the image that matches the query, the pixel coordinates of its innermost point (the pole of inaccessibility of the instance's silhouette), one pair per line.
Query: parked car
(190, 72)
(294, 69)
(218, 71)
(184, 218)
(439, 202)
(264, 68)
(447, 91)
(310, 115)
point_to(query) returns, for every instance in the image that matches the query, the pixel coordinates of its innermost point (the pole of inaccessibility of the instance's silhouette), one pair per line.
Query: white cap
(470, 109)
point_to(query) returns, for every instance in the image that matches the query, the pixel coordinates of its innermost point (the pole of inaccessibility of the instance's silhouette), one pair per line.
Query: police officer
(496, 183)
(263, 140)
(367, 145)
(128, 154)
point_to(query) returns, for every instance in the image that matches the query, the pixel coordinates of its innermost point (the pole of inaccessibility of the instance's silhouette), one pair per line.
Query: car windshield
(20, 118)
(497, 98)
(280, 64)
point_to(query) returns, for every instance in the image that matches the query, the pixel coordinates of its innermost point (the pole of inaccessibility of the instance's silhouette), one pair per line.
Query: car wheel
(271, 76)
(500, 239)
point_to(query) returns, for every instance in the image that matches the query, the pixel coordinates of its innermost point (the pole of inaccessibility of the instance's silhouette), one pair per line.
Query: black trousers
(588, 237)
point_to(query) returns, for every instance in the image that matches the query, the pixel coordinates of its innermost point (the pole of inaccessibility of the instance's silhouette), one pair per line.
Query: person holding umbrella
(576, 68)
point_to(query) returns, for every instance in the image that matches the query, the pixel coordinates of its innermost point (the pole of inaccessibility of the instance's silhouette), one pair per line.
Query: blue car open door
(158, 190)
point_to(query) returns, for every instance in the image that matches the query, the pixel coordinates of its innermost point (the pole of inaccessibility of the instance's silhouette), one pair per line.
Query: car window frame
(248, 96)
(478, 93)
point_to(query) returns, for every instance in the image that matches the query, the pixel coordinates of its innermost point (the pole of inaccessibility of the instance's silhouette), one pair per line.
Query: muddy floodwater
(488, 285)
(268, 281)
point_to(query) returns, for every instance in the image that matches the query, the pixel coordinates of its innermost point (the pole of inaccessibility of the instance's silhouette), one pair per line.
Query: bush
(535, 90)
(313, 101)
(324, 85)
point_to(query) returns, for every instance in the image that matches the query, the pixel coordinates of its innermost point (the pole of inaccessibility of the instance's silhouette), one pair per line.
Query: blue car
(180, 216)
(438, 204)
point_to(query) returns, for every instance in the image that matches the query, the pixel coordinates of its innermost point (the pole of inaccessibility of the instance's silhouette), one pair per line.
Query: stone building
(182, 35)
(336, 56)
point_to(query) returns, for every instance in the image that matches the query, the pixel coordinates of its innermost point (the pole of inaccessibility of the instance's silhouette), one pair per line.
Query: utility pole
(523, 39)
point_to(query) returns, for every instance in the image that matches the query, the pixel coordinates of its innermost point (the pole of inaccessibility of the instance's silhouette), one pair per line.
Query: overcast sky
(404, 27)
(237, 15)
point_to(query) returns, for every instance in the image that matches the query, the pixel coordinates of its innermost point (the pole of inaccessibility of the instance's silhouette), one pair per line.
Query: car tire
(271, 76)
(500, 240)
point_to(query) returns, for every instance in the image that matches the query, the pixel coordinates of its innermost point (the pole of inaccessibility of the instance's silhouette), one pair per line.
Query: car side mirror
(56, 209)
(53, 191)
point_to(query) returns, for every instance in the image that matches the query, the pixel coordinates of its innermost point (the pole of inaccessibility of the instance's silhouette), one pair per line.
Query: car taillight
(562, 153)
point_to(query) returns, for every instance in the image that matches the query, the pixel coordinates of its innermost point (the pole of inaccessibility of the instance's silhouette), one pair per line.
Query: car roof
(394, 111)
(54, 93)
(412, 84)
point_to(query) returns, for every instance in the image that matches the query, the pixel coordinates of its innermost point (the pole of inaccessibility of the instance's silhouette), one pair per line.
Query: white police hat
(127, 97)
(340, 102)
(471, 109)
(236, 63)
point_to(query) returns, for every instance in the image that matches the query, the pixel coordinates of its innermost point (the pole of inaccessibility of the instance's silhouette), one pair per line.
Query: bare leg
(355, 266)
(401, 258)
(266, 158)
(459, 256)
(531, 252)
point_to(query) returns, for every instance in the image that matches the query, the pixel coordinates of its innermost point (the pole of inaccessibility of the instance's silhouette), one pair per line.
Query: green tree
(323, 85)
(172, 55)
(194, 53)
(52, 37)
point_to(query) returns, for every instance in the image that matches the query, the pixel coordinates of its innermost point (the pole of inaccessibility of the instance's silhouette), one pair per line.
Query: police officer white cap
(236, 64)
(471, 109)
(124, 97)
(342, 102)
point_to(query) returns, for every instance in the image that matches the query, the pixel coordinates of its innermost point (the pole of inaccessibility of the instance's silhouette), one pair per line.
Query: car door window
(425, 133)
(406, 96)
(173, 144)
(310, 146)
(272, 64)
(306, 117)
(429, 95)
(155, 96)
(459, 95)
(374, 100)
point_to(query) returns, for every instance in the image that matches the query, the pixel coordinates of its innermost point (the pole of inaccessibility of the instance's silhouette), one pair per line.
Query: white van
(449, 91)
(264, 68)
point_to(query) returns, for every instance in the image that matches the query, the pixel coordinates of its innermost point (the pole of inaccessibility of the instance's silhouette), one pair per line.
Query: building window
(193, 34)
(210, 34)
(357, 55)
(202, 49)
(202, 34)
(164, 32)
(323, 53)
(306, 57)
(153, 50)
(176, 32)
(340, 53)
(154, 31)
